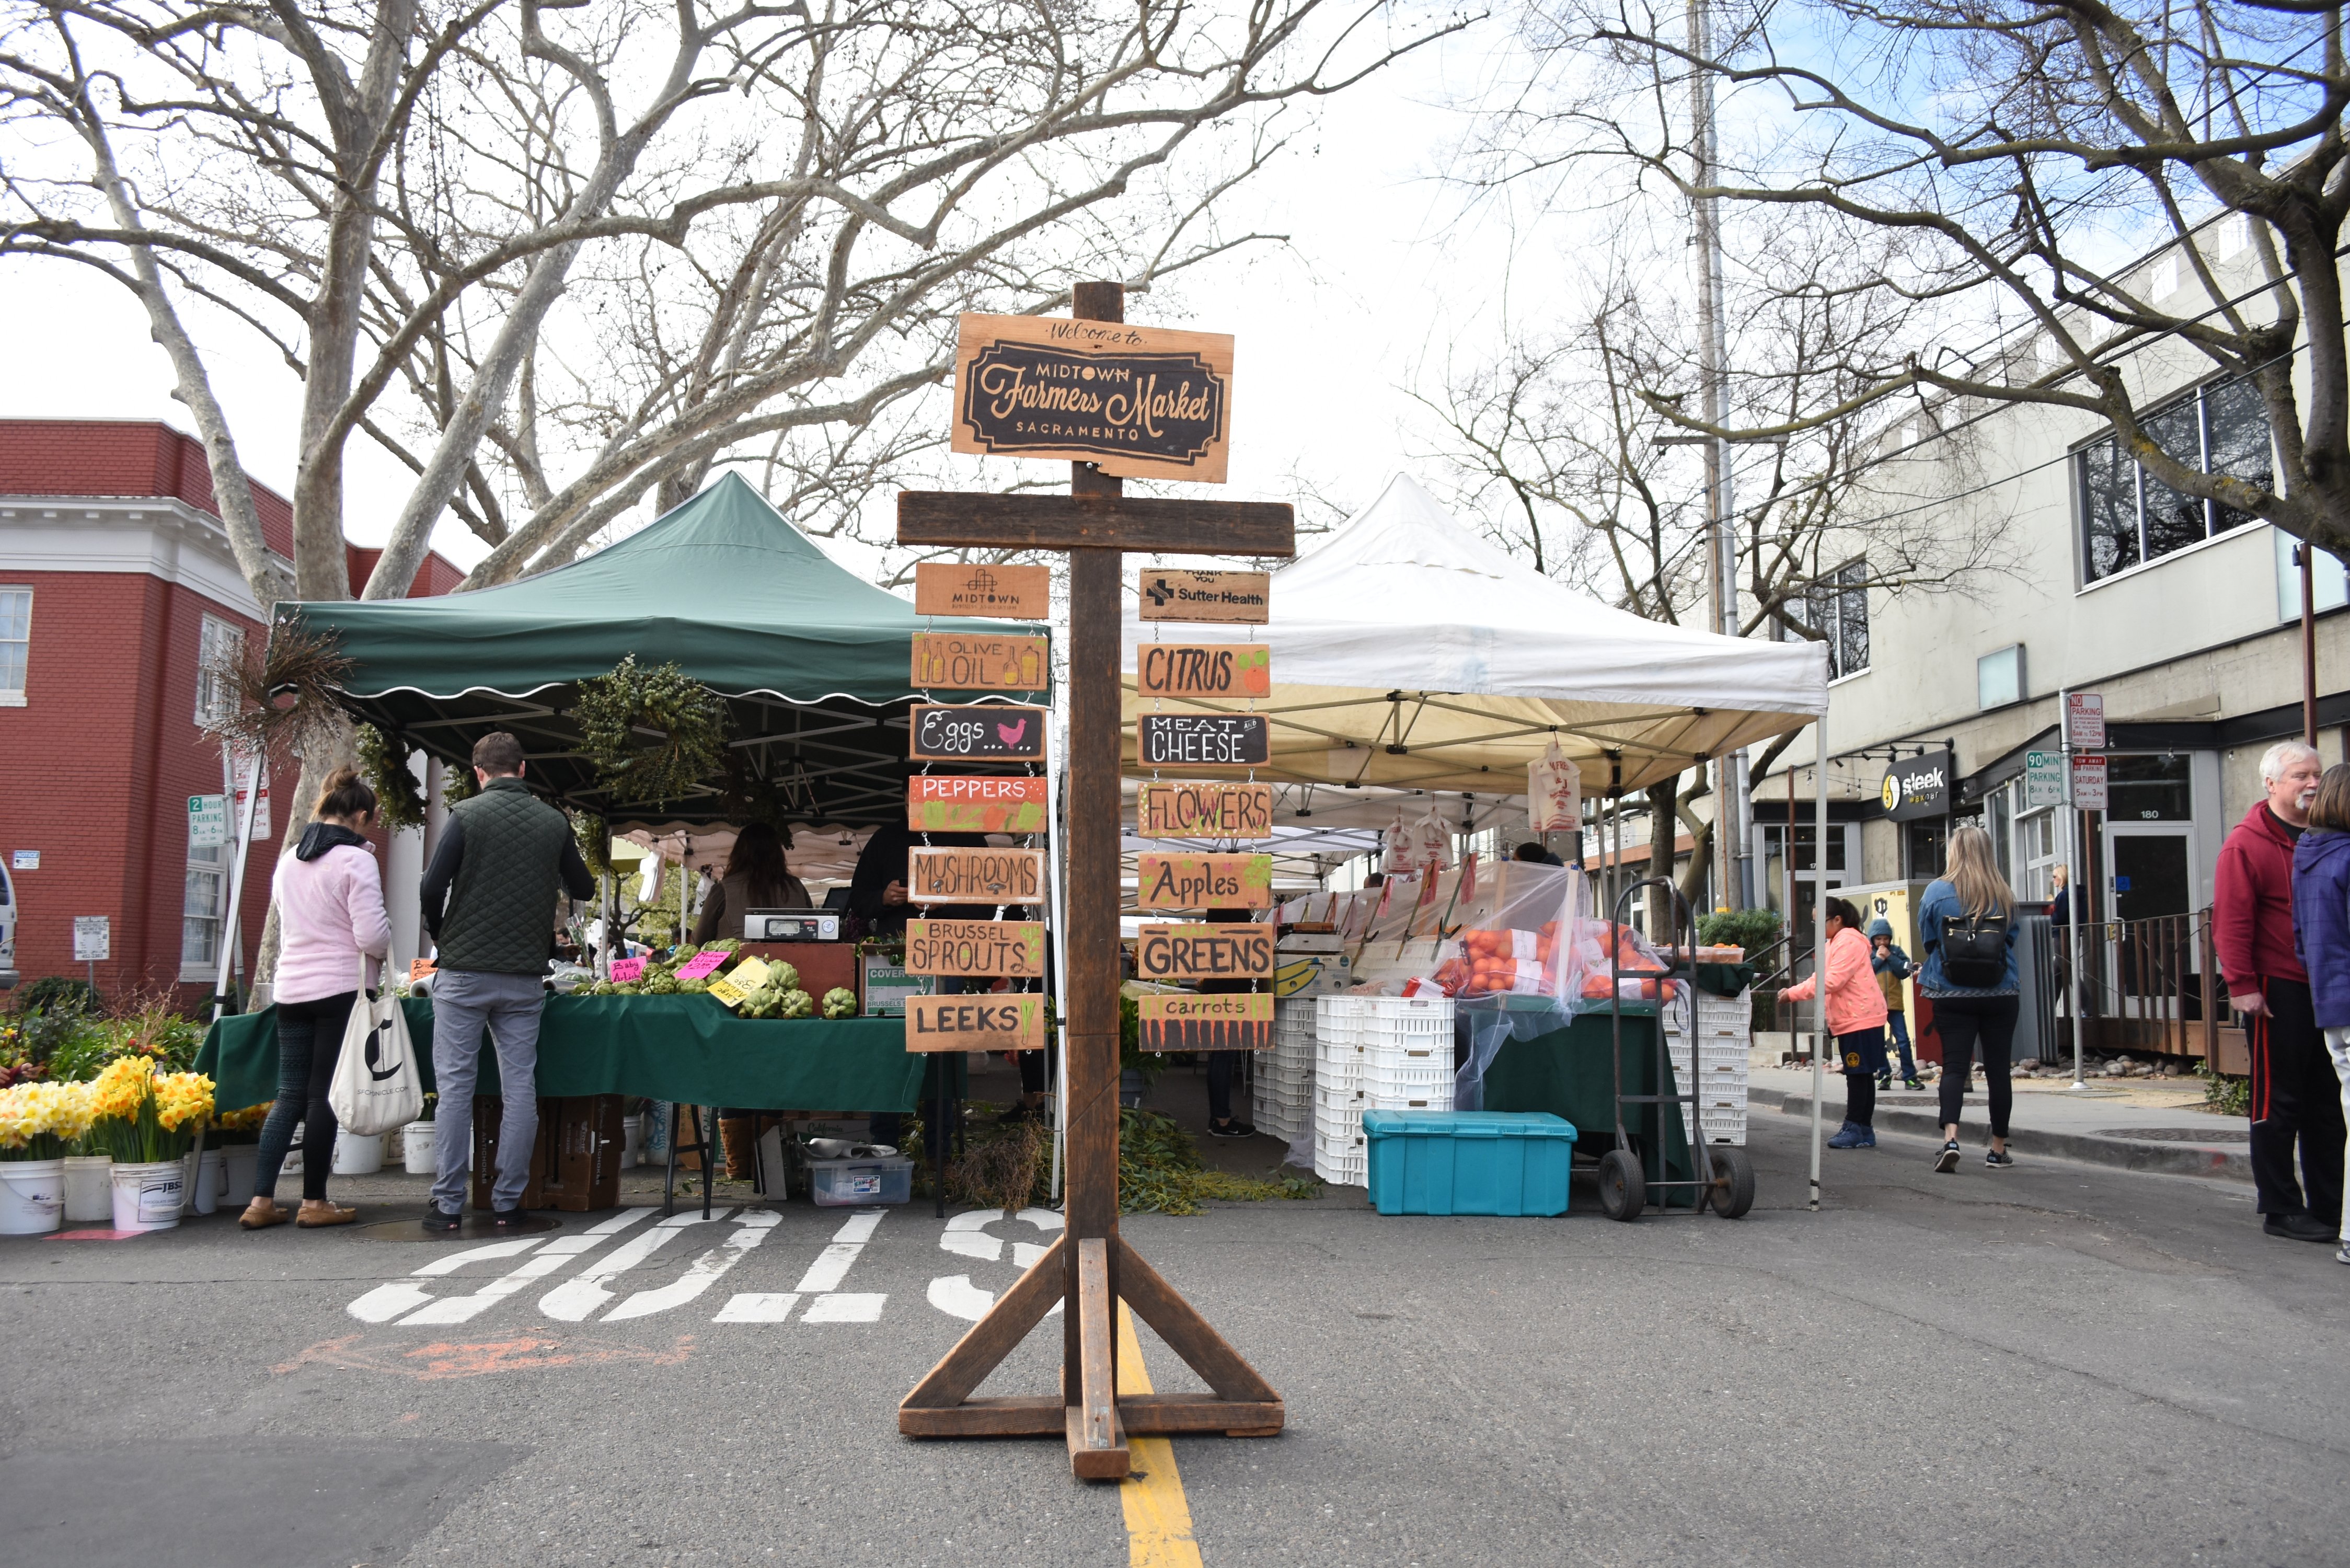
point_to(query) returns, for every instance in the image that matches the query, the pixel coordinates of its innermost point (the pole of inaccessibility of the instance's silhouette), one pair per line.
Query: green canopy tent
(813, 661)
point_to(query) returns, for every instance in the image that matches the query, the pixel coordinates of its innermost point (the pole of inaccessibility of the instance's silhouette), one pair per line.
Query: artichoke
(762, 1002)
(797, 1004)
(692, 987)
(782, 976)
(840, 1002)
(662, 985)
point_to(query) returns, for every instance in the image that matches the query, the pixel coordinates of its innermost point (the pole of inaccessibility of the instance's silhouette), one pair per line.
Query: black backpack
(1974, 950)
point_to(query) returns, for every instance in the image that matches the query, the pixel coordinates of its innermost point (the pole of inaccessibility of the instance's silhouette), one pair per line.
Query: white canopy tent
(1410, 653)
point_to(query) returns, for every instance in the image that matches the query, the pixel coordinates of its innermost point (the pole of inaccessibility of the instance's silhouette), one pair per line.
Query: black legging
(309, 1040)
(1860, 1098)
(1965, 1023)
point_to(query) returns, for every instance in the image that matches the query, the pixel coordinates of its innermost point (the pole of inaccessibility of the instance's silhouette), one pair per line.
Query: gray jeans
(464, 1000)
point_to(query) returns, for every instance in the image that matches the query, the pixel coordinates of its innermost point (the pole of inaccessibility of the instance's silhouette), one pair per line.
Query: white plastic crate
(1343, 1171)
(1430, 1097)
(1407, 1022)
(1722, 1127)
(1336, 1019)
(1391, 1078)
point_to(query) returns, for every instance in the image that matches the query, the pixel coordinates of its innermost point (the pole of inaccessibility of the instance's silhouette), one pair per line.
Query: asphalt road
(2055, 1363)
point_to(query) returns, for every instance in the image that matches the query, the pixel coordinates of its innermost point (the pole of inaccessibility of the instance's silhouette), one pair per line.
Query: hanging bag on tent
(1974, 950)
(1553, 792)
(376, 1086)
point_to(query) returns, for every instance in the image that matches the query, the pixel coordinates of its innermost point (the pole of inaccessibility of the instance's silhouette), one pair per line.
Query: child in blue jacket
(1893, 966)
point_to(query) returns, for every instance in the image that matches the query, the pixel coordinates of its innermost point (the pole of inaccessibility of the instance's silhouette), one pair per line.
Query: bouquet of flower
(240, 1127)
(42, 1120)
(141, 1116)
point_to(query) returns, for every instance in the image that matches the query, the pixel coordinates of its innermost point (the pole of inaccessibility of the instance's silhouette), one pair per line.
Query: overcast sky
(1383, 274)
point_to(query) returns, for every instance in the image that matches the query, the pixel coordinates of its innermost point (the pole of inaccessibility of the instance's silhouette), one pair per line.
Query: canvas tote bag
(376, 1086)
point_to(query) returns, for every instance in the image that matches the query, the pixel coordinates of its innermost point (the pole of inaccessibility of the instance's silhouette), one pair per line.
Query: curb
(2159, 1159)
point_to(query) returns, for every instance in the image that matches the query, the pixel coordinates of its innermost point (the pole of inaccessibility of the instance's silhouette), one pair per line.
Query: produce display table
(686, 1049)
(1565, 1072)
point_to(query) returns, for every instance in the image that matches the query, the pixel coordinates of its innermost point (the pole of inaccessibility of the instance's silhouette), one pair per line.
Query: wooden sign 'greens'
(1012, 1023)
(1203, 669)
(984, 803)
(1204, 882)
(983, 947)
(1167, 953)
(1187, 1023)
(990, 732)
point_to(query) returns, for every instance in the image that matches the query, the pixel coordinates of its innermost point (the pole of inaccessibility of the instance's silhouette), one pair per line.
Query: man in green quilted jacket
(489, 901)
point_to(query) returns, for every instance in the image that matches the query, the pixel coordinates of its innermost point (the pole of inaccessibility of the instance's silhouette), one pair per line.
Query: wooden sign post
(1091, 1267)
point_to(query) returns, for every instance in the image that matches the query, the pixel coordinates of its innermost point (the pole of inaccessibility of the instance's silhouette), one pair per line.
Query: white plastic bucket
(204, 1174)
(416, 1143)
(239, 1166)
(89, 1190)
(147, 1197)
(357, 1156)
(632, 1141)
(32, 1196)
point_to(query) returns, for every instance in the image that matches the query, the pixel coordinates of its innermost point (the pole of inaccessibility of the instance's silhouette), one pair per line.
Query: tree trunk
(1664, 825)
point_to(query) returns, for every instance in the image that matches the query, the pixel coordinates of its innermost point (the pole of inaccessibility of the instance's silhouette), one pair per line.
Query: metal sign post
(2081, 718)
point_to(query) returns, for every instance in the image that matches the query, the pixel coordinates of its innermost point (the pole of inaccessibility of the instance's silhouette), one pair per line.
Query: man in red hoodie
(2295, 1096)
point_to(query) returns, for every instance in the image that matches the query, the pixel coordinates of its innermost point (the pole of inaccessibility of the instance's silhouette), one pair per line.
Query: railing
(2149, 985)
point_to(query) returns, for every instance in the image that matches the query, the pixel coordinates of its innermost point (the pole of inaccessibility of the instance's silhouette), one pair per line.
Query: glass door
(2151, 959)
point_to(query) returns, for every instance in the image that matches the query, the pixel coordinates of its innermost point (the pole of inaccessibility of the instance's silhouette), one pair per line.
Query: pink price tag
(626, 970)
(701, 965)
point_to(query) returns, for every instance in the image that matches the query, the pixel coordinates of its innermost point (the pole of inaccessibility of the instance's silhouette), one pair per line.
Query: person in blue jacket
(2321, 932)
(1893, 966)
(1972, 1010)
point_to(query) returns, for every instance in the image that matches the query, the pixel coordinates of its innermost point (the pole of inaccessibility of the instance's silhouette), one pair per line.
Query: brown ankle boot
(735, 1133)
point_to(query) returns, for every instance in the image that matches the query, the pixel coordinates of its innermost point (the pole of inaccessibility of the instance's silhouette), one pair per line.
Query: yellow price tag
(749, 975)
(728, 992)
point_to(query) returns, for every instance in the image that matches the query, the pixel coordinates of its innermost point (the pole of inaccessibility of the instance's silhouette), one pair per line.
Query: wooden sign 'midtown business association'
(1139, 402)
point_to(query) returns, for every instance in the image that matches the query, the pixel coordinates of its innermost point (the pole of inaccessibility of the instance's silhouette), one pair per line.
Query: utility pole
(1730, 806)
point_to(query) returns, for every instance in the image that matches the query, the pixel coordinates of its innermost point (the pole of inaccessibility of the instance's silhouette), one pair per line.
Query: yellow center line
(1158, 1515)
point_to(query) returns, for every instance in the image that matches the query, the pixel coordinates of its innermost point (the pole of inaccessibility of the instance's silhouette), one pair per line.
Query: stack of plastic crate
(1407, 1042)
(1723, 1028)
(1340, 1155)
(1284, 1075)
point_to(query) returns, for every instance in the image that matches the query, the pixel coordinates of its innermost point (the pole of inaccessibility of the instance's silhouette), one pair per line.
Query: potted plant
(146, 1121)
(38, 1123)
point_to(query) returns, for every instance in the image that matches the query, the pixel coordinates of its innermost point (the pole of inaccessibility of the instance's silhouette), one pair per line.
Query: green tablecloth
(1567, 1073)
(687, 1049)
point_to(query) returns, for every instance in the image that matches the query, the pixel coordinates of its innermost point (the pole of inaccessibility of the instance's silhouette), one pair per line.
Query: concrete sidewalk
(2134, 1124)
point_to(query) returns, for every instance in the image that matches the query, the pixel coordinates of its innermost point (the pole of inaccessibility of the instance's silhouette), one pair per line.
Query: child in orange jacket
(1856, 1017)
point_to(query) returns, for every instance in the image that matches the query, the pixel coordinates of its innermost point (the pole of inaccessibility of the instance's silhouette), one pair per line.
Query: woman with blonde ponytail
(1966, 926)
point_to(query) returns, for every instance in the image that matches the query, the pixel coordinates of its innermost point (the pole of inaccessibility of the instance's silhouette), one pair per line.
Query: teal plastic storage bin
(1469, 1162)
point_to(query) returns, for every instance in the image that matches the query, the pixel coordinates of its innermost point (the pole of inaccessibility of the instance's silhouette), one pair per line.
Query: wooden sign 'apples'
(975, 875)
(1200, 808)
(1190, 1022)
(1167, 953)
(1002, 803)
(986, 948)
(968, 661)
(1137, 402)
(1001, 593)
(1013, 1022)
(985, 733)
(1203, 669)
(1204, 882)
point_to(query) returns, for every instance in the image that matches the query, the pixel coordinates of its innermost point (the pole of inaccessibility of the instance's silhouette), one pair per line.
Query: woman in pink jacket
(1856, 1017)
(329, 913)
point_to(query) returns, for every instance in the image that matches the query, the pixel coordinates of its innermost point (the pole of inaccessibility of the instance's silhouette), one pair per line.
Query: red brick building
(115, 578)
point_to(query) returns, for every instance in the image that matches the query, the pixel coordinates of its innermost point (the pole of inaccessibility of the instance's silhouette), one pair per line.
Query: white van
(7, 930)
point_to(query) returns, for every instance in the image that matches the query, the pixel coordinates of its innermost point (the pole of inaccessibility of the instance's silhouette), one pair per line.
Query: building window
(2147, 789)
(1999, 677)
(1925, 841)
(15, 643)
(199, 914)
(2128, 517)
(219, 651)
(1837, 606)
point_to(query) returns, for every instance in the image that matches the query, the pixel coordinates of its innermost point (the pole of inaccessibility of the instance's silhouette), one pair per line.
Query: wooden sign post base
(1091, 1267)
